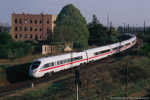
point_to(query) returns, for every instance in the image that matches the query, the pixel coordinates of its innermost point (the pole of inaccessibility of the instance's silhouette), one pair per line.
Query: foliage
(5, 38)
(11, 49)
(112, 35)
(145, 50)
(120, 29)
(144, 37)
(70, 17)
(99, 34)
(67, 34)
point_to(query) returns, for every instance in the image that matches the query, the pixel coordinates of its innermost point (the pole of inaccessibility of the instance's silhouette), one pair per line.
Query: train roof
(60, 57)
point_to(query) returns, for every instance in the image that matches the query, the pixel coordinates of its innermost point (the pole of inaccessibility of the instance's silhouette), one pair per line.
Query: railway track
(34, 82)
(5, 90)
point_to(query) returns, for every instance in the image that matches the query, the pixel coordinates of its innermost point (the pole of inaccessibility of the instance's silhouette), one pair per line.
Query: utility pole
(126, 86)
(108, 21)
(124, 27)
(144, 27)
(128, 28)
(71, 65)
(77, 82)
(137, 28)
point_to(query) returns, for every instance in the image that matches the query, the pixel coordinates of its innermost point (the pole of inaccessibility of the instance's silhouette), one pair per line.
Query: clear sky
(132, 12)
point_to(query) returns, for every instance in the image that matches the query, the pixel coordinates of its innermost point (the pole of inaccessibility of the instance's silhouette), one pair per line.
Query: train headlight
(35, 71)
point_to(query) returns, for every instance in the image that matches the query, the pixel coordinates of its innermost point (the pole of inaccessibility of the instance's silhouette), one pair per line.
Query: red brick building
(31, 26)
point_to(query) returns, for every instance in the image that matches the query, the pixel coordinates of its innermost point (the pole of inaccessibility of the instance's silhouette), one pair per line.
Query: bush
(145, 50)
(11, 49)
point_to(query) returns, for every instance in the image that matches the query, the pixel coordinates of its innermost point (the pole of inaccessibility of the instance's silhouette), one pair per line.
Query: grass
(53, 91)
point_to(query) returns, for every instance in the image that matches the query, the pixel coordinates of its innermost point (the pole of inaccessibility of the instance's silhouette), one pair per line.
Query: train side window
(62, 61)
(115, 48)
(48, 65)
(78, 58)
(51, 64)
(120, 46)
(59, 62)
(65, 61)
(133, 41)
(105, 51)
(69, 60)
(96, 53)
(72, 59)
(127, 44)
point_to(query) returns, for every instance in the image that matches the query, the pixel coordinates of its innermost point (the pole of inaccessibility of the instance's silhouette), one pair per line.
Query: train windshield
(35, 64)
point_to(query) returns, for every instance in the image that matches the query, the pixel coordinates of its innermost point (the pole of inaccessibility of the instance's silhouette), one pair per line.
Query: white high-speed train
(47, 65)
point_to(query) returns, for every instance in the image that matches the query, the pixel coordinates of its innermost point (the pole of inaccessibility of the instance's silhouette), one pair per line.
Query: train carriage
(47, 65)
(98, 53)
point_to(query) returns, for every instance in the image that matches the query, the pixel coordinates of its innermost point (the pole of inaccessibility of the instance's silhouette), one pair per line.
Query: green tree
(98, 33)
(70, 17)
(145, 50)
(5, 38)
(120, 29)
(112, 35)
(67, 34)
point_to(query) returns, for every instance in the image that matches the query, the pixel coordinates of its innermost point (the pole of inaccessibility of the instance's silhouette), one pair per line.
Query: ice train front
(33, 71)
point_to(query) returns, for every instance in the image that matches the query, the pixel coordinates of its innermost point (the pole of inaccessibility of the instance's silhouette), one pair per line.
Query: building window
(16, 36)
(15, 20)
(25, 28)
(25, 21)
(30, 28)
(30, 21)
(20, 21)
(20, 28)
(40, 28)
(48, 29)
(20, 35)
(30, 36)
(35, 28)
(40, 36)
(35, 21)
(40, 21)
(36, 37)
(16, 28)
(47, 21)
(25, 36)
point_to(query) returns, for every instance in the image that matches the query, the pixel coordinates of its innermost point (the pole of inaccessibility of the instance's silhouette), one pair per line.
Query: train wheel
(46, 75)
(81, 65)
(92, 61)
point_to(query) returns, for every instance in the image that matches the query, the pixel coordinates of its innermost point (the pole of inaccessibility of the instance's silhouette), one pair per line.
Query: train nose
(32, 73)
